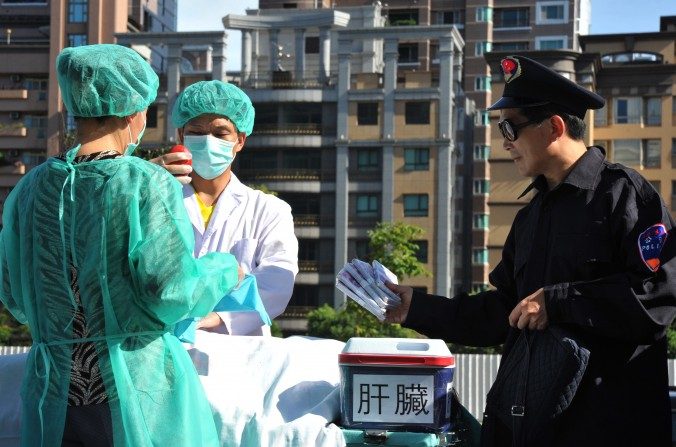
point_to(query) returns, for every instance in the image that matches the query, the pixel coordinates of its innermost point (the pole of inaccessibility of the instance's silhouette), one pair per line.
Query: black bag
(536, 383)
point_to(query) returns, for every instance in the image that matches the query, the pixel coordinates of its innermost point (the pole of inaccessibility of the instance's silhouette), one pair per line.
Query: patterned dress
(86, 383)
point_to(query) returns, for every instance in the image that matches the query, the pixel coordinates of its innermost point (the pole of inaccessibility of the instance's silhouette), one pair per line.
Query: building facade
(33, 122)
(485, 25)
(349, 135)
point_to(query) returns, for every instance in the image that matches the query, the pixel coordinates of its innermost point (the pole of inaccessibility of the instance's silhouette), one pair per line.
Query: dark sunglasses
(508, 129)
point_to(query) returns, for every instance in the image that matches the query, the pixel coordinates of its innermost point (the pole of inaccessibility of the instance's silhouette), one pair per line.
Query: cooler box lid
(396, 351)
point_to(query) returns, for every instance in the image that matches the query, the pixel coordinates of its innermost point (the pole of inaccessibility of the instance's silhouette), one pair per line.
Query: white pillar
(218, 61)
(300, 54)
(173, 86)
(246, 55)
(324, 54)
(274, 49)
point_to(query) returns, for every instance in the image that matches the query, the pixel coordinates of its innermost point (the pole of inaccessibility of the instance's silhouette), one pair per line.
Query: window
(481, 186)
(403, 17)
(627, 152)
(652, 153)
(673, 152)
(408, 53)
(367, 205)
(482, 151)
(151, 117)
(305, 295)
(367, 113)
(362, 249)
(601, 117)
(482, 83)
(417, 159)
(309, 159)
(512, 18)
(479, 256)
(653, 111)
(548, 13)
(416, 205)
(551, 42)
(484, 14)
(290, 5)
(458, 188)
(308, 249)
(643, 153)
(673, 195)
(482, 118)
(627, 110)
(510, 46)
(451, 17)
(262, 160)
(77, 11)
(421, 252)
(632, 58)
(367, 159)
(482, 47)
(417, 112)
(480, 221)
(457, 220)
(312, 45)
(76, 40)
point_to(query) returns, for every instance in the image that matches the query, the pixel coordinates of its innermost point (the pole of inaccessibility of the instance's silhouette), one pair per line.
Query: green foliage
(392, 244)
(12, 333)
(275, 330)
(404, 22)
(671, 340)
(263, 188)
(146, 152)
(353, 321)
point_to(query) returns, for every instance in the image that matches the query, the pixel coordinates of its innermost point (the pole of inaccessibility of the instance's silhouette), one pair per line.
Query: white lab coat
(257, 228)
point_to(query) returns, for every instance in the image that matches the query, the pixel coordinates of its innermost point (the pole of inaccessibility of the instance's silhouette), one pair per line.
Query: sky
(608, 17)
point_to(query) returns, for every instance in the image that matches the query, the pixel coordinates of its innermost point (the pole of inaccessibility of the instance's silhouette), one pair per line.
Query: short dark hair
(575, 126)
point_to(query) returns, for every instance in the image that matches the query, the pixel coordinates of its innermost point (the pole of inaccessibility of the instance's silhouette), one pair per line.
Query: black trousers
(88, 425)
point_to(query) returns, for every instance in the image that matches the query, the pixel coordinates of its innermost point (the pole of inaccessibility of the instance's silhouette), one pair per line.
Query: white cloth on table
(264, 391)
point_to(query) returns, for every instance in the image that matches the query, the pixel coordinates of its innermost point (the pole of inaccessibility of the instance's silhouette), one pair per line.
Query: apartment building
(485, 25)
(636, 74)
(638, 80)
(348, 135)
(33, 121)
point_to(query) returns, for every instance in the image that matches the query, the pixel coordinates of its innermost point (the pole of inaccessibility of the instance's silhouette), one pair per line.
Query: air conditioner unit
(14, 115)
(15, 78)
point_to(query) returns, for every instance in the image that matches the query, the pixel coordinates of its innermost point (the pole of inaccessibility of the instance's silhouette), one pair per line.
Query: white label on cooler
(393, 398)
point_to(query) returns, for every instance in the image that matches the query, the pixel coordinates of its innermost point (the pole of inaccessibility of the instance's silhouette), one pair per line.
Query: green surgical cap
(220, 98)
(105, 80)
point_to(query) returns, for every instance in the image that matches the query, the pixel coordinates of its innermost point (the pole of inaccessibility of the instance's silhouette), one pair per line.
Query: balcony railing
(288, 80)
(286, 174)
(289, 129)
(297, 311)
(313, 220)
(308, 266)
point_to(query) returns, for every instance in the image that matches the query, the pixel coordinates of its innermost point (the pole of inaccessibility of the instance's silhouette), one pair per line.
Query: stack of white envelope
(365, 284)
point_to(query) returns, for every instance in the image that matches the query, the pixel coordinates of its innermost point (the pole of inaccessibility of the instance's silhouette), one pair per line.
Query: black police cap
(529, 84)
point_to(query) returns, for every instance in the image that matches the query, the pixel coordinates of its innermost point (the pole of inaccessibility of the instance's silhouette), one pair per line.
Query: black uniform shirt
(580, 242)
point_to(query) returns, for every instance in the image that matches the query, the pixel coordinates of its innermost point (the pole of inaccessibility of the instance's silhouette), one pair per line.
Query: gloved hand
(180, 171)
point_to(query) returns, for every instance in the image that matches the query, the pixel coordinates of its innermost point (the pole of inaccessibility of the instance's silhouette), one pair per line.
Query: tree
(392, 245)
(263, 188)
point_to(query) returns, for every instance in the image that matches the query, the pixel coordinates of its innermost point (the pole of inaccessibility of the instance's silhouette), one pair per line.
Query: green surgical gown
(122, 224)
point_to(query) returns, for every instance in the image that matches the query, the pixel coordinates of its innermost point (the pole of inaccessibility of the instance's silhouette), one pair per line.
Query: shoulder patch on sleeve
(650, 244)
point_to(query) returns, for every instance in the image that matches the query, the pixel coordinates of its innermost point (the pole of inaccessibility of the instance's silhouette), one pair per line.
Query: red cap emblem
(511, 68)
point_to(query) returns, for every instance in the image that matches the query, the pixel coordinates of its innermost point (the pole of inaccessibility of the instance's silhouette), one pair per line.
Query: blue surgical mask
(131, 147)
(211, 156)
